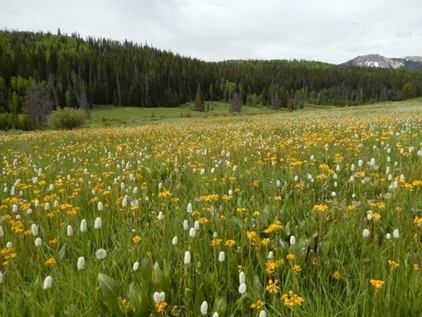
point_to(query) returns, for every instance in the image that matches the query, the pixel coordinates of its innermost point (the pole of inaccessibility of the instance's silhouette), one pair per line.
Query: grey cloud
(326, 30)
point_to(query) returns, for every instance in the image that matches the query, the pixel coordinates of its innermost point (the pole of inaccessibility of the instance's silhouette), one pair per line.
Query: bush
(66, 118)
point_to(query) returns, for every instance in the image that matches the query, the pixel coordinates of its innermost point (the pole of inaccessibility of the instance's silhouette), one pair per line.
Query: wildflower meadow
(313, 213)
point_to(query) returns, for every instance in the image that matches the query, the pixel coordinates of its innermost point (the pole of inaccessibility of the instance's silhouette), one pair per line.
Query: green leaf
(325, 247)
(257, 285)
(136, 300)
(111, 290)
(62, 252)
(145, 268)
(287, 229)
(220, 306)
(157, 275)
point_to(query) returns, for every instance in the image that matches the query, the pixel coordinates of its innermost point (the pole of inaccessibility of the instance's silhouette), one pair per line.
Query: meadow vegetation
(309, 213)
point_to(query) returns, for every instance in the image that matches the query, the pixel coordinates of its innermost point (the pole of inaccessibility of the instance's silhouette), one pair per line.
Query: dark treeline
(76, 72)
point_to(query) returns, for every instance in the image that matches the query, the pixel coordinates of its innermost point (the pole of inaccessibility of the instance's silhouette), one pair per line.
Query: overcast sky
(331, 31)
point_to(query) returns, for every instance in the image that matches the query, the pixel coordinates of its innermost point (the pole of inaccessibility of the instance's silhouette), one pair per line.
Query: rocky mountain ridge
(376, 60)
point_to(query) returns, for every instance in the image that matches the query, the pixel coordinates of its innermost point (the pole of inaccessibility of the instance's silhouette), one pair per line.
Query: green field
(309, 213)
(110, 115)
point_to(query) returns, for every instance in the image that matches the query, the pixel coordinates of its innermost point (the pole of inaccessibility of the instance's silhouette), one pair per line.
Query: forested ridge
(68, 71)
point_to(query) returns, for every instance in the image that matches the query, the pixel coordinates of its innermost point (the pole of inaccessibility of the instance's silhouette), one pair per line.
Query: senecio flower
(230, 243)
(50, 261)
(320, 207)
(272, 287)
(136, 239)
(290, 299)
(377, 283)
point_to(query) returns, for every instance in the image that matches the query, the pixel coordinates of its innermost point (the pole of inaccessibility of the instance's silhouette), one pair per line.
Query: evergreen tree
(199, 101)
(407, 91)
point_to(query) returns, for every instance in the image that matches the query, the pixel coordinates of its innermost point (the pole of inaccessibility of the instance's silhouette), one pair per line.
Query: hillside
(68, 71)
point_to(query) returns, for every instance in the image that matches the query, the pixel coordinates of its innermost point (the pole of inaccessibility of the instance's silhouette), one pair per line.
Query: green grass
(252, 181)
(109, 115)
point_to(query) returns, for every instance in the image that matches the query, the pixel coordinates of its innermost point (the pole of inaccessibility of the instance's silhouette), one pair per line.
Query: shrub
(66, 118)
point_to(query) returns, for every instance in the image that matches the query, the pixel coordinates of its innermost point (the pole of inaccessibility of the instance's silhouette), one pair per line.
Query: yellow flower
(251, 234)
(297, 268)
(258, 304)
(291, 256)
(320, 207)
(265, 241)
(336, 275)
(290, 299)
(50, 261)
(393, 264)
(277, 197)
(164, 193)
(215, 241)
(230, 243)
(202, 220)
(377, 283)
(160, 306)
(416, 267)
(136, 239)
(272, 287)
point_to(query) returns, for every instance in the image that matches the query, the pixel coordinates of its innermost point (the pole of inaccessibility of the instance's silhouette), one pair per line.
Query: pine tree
(199, 101)
(407, 92)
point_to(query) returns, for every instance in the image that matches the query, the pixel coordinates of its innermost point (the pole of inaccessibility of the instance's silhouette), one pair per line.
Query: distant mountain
(376, 60)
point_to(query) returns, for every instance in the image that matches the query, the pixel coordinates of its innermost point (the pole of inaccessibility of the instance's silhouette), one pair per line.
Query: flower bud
(48, 282)
(98, 223)
(242, 288)
(81, 263)
(204, 308)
